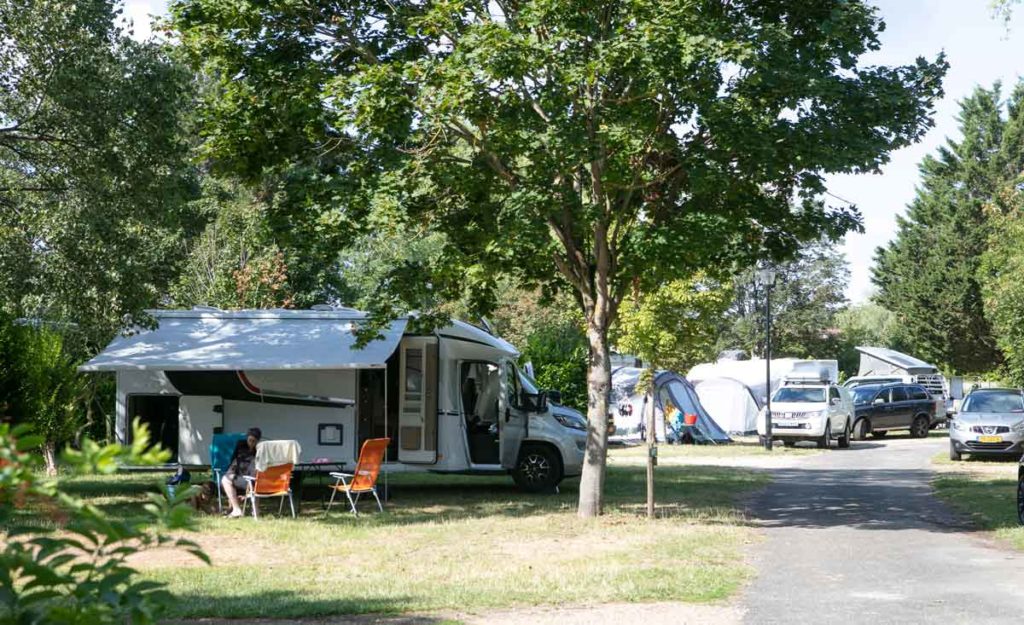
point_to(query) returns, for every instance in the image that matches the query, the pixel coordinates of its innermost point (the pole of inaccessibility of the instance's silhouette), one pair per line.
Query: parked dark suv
(882, 408)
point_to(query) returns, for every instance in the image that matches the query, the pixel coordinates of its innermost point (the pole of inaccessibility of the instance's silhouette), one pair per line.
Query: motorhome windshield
(794, 394)
(994, 401)
(529, 384)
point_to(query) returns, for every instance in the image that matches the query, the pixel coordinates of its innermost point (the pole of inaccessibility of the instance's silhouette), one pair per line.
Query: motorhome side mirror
(836, 401)
(534, 402)
(554, 397)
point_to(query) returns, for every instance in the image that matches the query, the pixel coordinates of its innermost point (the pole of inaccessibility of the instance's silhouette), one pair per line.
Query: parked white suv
(815, 411)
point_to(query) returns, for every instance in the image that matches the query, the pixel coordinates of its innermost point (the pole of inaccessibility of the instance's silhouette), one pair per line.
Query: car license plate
(990, 439)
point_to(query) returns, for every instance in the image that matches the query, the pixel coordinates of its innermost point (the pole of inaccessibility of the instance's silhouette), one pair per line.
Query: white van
(452, 401)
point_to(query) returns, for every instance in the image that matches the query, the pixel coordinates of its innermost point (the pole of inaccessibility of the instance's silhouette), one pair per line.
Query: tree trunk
(50, 458)
(599, 377)
(652, 441)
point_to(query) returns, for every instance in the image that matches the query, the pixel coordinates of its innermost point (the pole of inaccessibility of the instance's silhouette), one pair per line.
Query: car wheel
(955, 455)
(844, 438)
(919, 428)
(879, 434)
(826, 436)
(861, 429)
(1020, 499)
(539, 469)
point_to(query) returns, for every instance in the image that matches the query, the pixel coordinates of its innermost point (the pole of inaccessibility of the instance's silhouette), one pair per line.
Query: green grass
(989, 500)
(448, 543)
(739, 449)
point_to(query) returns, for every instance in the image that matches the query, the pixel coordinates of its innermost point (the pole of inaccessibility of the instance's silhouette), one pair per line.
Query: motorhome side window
(833, 393)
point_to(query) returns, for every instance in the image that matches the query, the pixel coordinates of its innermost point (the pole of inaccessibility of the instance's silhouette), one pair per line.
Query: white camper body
(451, 401)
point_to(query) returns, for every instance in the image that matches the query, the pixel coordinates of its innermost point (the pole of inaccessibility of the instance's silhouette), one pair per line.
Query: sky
(980, 48)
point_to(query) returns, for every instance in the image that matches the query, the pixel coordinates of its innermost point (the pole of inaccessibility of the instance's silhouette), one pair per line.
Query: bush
(80, 575)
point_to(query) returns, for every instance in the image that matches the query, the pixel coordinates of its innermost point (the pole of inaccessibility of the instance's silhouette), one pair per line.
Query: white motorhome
(451, 401)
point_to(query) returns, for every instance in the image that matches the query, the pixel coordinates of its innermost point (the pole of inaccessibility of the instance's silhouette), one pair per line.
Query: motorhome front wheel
(539, 469)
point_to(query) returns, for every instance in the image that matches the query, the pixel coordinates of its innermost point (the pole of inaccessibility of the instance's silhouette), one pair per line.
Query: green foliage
(559, 357)
(1002, 266)
(808, 294)
(39, 382)
(93, 178)
(869, 325)
(928, 275)
(549, 132)
(235, 262)
(80, 574)
(676, 326)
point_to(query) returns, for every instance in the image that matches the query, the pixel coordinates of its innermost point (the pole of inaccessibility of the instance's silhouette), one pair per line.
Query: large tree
(927, 275)
(809, 292)
(1002, 263)
(93, 178)
(590, 147)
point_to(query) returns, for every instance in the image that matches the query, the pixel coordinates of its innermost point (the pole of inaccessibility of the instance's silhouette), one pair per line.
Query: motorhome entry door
(417, 400)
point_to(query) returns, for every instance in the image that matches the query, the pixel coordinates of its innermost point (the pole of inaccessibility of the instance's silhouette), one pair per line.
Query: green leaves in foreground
(80, 574)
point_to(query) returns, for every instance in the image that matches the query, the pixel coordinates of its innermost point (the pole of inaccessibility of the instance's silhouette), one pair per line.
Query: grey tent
(671, 390)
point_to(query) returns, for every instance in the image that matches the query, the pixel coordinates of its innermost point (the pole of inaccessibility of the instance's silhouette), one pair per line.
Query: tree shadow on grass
(704, 492)
(708, 493)
(279, 607)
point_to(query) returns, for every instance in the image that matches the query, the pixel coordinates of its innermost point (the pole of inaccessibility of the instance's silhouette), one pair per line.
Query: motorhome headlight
(571, 421)
(1018, 427)
(814, 414)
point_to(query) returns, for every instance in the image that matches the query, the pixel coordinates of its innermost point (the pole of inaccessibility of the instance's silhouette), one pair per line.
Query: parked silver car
(990, 421)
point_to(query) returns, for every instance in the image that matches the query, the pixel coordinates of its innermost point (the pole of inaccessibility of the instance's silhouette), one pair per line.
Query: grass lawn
(459, 543)
(984, 488)
(747, 447)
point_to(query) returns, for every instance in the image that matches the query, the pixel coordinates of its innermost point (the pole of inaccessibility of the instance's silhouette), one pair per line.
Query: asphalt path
(856, 536)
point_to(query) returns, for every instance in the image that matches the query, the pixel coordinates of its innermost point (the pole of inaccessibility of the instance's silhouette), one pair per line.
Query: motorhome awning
(224, 341)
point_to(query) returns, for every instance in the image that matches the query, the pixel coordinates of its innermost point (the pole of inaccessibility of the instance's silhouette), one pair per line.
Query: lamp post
(766, 278)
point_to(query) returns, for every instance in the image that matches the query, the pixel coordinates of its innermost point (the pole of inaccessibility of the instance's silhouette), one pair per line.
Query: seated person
(243, 462)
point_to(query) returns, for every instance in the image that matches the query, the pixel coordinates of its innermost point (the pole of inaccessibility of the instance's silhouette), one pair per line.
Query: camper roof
(893, 358)
(216, 340)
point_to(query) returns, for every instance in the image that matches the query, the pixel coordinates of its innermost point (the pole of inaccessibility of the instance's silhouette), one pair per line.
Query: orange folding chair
(364, 479)
(273, 481)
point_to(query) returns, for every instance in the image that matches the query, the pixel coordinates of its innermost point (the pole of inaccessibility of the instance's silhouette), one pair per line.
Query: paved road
(855, 536)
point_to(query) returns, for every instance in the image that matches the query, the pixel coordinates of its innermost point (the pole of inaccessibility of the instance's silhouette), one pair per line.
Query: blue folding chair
(222, 448)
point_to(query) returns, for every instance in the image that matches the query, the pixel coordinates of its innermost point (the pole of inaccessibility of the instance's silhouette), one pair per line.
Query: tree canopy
(590, 147)
(93, 179)
(928, 275)
(809, 292)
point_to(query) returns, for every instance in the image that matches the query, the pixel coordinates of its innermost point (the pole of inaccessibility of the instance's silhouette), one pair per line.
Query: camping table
(303, 470)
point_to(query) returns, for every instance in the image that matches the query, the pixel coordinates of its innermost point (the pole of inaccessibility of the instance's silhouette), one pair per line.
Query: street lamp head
(766, 275)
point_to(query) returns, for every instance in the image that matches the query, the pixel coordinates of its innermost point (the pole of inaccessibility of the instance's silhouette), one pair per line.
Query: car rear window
(994, 401)
(917, 392)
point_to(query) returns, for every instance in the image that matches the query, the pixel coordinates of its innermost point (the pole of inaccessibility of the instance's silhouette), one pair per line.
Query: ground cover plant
(454, 543)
